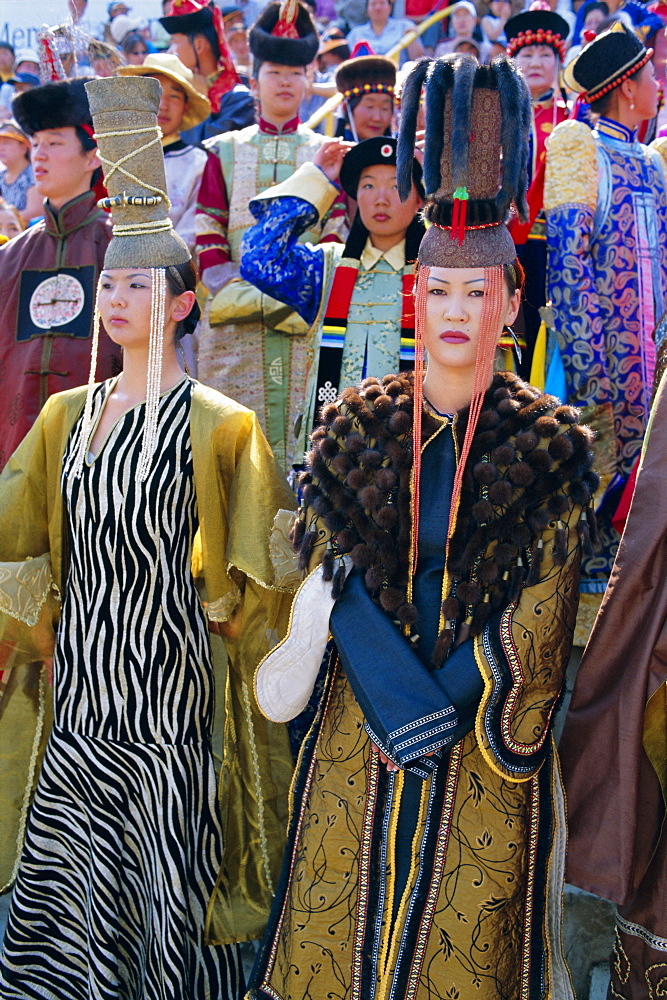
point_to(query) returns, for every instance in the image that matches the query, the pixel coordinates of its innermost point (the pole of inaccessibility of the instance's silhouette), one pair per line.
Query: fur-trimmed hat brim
(279, 49)
(54, 105)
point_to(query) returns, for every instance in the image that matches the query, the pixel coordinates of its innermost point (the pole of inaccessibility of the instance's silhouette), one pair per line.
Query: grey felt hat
(124, 111)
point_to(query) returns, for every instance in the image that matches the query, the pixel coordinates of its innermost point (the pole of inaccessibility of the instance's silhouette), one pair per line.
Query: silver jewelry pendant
(517, 346)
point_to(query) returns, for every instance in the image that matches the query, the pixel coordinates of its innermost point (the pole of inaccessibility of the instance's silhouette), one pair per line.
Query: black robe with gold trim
(446, 883)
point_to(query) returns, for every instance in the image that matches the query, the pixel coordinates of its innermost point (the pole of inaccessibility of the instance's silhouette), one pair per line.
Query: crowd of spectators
(347, 28)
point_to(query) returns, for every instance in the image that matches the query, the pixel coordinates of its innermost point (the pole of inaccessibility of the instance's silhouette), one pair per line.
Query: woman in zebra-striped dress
(124, 843)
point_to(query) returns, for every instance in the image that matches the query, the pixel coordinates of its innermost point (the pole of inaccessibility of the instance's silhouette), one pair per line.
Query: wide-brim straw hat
(166, 64)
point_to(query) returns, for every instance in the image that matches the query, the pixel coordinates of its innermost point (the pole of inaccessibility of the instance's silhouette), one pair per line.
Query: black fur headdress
(475, 156)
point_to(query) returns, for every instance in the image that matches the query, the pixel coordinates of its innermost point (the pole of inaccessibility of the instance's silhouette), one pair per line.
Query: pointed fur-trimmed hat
(603, 64)
(475, 157)
(284, 33)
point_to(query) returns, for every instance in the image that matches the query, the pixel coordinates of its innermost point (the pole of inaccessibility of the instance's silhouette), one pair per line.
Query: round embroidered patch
(387, 150)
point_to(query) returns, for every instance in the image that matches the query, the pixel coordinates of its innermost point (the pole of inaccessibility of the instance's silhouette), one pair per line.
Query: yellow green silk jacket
(239, 488)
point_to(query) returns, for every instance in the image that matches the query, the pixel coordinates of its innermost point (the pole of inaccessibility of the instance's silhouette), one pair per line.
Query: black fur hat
(284, 33)
(381, 149)
(477, 119)
(54, 105)
(606, 62)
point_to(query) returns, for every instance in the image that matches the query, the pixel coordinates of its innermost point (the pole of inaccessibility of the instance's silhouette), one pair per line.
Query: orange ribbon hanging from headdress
(490, 325)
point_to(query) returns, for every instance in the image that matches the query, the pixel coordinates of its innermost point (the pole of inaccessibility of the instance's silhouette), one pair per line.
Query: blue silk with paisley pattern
(608, 285)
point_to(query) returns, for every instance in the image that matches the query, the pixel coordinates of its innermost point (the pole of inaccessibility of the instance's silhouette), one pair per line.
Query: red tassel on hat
(459, 214)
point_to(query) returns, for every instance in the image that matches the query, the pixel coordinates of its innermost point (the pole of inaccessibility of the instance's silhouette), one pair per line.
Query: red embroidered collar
(288, 128)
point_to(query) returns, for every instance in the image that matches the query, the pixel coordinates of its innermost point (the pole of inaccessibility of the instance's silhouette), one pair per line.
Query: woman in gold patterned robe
(427, 838)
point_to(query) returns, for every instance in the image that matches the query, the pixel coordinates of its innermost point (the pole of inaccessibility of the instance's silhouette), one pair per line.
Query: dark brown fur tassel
(479, 618)
(441, 651)
(560, 545)
(451, 608)
(407, 614)
(307, 546)
(515, 583)
(297, 533)
(328, 566)
(462, 635)
(593, 525)
(338, 582)
(584, 530)
(535, 564)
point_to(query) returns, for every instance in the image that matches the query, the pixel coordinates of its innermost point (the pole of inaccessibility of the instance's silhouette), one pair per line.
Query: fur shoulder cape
(530, 466)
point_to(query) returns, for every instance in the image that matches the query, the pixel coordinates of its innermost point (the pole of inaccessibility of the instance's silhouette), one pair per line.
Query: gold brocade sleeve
(570, 143)
(523, 657)
(239, 490)
(660, 146)
(309, 183)
(239, 301)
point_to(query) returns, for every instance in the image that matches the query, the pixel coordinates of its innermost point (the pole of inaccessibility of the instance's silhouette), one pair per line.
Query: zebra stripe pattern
(124, 839)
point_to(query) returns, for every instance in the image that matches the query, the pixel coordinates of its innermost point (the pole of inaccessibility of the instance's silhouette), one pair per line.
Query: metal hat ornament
(478, 122)
(124, 112)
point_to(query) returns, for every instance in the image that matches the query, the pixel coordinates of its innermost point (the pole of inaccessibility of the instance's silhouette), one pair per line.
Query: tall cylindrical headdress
(124, 112)
(475, 168)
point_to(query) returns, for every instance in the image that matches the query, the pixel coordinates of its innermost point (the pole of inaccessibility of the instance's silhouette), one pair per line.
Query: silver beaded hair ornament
(124, 113)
